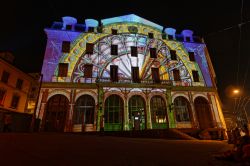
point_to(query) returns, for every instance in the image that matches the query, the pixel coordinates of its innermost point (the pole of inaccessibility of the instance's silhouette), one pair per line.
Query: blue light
(131, 18)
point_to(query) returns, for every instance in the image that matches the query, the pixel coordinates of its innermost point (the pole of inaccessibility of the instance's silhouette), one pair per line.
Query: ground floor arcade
(119, 108)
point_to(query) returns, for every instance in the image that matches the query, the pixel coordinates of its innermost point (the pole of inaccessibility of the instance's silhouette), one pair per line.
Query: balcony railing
(128, 81)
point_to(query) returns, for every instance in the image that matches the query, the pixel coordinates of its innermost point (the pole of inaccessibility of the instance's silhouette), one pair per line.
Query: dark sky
(22, 25)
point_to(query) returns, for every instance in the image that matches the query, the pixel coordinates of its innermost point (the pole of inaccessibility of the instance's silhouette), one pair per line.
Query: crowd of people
(241, 152)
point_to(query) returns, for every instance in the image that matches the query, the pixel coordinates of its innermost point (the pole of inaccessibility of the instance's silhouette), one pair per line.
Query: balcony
(129, 81)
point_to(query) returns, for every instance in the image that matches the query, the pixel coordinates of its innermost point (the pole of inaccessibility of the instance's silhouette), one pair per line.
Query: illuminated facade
(126, 73)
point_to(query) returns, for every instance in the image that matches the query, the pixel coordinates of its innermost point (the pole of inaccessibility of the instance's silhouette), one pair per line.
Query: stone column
(170, 110)
(195, 122)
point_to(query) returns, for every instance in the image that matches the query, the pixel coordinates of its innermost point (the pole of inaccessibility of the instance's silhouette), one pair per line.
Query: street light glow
(236, 91)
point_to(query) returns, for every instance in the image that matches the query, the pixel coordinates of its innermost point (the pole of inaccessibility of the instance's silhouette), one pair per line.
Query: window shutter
(66, 46)
(134, 51)
(88, 68)
(176, 74)
(155, 75)
(63, 70)
(114, 73)
(153, 53)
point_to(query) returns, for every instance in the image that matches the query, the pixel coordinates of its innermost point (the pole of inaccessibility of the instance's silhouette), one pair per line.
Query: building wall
(11, 89)
(100, 87)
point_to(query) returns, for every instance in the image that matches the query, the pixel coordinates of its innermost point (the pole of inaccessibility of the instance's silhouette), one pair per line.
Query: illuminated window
(153, 53)
(114, 73)
(15, 101)
(191, 56)
(134, 51)
(158, 111)
(195, 76)
(135, 74)
(176, 74)
(2, 95)
(114, 31)
(88, 68)
(5, 77)
(114, 49)
(84, 110)
(173, 55)
(66, 46)
(151, 35)
(164, 36)
(89, 48)
(155, 75)
(63, 70)
(182, 109)
(113, 110)
(19, 83)
(170, 37)
(188, 39)
(68, 27)
(91, 29)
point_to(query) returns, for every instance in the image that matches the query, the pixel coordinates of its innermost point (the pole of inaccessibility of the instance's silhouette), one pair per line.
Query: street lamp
(240, 108)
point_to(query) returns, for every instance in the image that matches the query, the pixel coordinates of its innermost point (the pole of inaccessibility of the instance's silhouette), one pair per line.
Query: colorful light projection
(101, 59)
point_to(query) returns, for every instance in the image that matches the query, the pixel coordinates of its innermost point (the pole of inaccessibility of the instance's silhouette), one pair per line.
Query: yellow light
(236, 91)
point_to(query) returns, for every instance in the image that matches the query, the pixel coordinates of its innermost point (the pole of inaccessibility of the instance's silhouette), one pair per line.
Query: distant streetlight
(240, 108)
(236, 91)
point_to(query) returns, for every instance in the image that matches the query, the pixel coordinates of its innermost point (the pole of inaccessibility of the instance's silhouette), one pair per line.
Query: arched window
(203, 112)
(137, 113)
(84, 110)
(56, 111)
(113, 113)
(182, 109)
(158, 112)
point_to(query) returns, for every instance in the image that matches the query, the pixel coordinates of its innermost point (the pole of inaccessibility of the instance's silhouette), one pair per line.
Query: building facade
(126, 73)
(18, 92)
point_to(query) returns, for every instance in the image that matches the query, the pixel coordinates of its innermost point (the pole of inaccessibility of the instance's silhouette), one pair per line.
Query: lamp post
(239, 111)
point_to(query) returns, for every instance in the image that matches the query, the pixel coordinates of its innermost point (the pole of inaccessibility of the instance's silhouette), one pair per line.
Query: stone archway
(55, 113)
(113, 113)
(203, 113)
(84, 111)
(137, 113)
(158, 112)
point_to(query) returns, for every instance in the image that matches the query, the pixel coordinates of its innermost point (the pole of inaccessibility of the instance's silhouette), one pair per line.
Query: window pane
(114, 49)
(191, 56)
(5, 77)
(176, 74)
(134, 51)
(66, 46)
(88, 70)
(153, 53)
(63, 70)
(19, 84)
(89, 48)
(135, 74)
(173, 54)
(195, 76)
(155, 75)
(114, 73)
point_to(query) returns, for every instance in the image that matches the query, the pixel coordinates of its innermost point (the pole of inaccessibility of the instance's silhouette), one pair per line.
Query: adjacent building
(126, 73)
(18, 92)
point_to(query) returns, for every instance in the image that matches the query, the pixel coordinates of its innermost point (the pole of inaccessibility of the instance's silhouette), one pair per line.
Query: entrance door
(137, 113)
(203, 112)
(56, 111)
(137, 121)
(84, 112)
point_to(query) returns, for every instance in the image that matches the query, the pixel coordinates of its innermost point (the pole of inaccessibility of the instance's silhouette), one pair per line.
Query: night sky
(22, 25)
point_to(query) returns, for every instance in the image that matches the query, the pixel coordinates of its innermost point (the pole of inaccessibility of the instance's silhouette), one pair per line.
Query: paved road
(71, 149)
